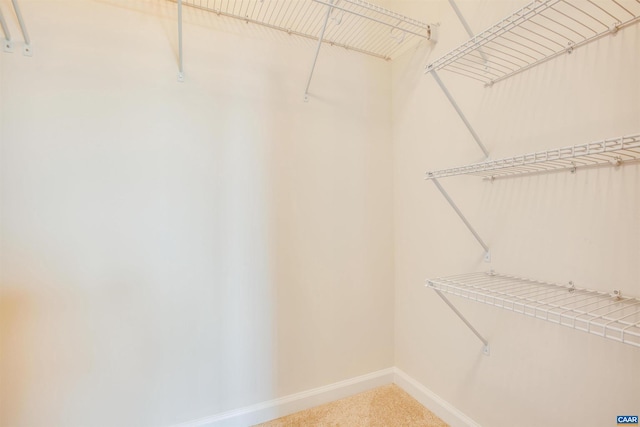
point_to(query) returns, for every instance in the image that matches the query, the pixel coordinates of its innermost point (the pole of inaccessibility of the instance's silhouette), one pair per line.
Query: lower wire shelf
(611, 316)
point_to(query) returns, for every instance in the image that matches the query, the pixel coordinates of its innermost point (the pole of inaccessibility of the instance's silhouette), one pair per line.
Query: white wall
(171, 251)
(557, 227)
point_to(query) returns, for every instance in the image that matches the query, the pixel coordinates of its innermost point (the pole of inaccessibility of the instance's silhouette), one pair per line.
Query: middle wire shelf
(612, 151)
(610, 316)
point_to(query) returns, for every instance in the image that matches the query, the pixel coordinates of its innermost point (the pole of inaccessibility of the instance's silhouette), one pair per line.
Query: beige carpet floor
(386, 406)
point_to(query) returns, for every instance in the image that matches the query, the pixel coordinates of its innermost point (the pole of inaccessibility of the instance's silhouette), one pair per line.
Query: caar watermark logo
(627, 419)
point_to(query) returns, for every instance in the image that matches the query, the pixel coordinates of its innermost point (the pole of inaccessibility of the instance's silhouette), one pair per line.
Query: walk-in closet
(419, 213)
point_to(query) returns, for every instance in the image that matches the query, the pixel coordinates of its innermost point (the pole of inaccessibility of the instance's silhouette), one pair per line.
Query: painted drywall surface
(558, 227)
(175, 250)
(1, 139)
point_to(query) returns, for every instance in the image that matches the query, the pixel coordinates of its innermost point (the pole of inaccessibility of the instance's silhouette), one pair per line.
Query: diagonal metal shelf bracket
(453, 102)
(467, 28)
(486, 350)
(487, 252)
(315, 58)
(180, 61)
(7, 42)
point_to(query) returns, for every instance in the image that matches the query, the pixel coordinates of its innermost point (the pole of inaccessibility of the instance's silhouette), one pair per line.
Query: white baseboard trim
(443, 409)
(269, 410)
(272, 409)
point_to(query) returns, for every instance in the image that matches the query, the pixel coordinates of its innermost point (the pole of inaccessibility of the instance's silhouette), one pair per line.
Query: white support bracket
(467, 28)
(27, 50)
(180, 66)
(475, 136)
(7, 43)
(315, 58)
(486, 350)
(487, 252)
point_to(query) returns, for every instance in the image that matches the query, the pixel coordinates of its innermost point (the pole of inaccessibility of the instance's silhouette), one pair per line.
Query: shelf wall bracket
(487, 252)
(485, 344)
(7, 43)
(315, 58)
(466, 26)
(180, 62)
(26, 50)
(453, 102)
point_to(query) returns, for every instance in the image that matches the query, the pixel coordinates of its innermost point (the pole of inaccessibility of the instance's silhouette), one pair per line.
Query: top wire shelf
(354, 24)
(608, 152)
(611, 315)
(538, 32)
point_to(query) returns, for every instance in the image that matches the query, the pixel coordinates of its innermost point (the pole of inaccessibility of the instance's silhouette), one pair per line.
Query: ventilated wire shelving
(540, 31)
(608, 152)
(612, 316)
(354, 24)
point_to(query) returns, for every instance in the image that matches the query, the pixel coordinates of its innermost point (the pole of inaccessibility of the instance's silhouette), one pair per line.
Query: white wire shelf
(612, 316)
(613, 151)
(536, 33)
(355, 24)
